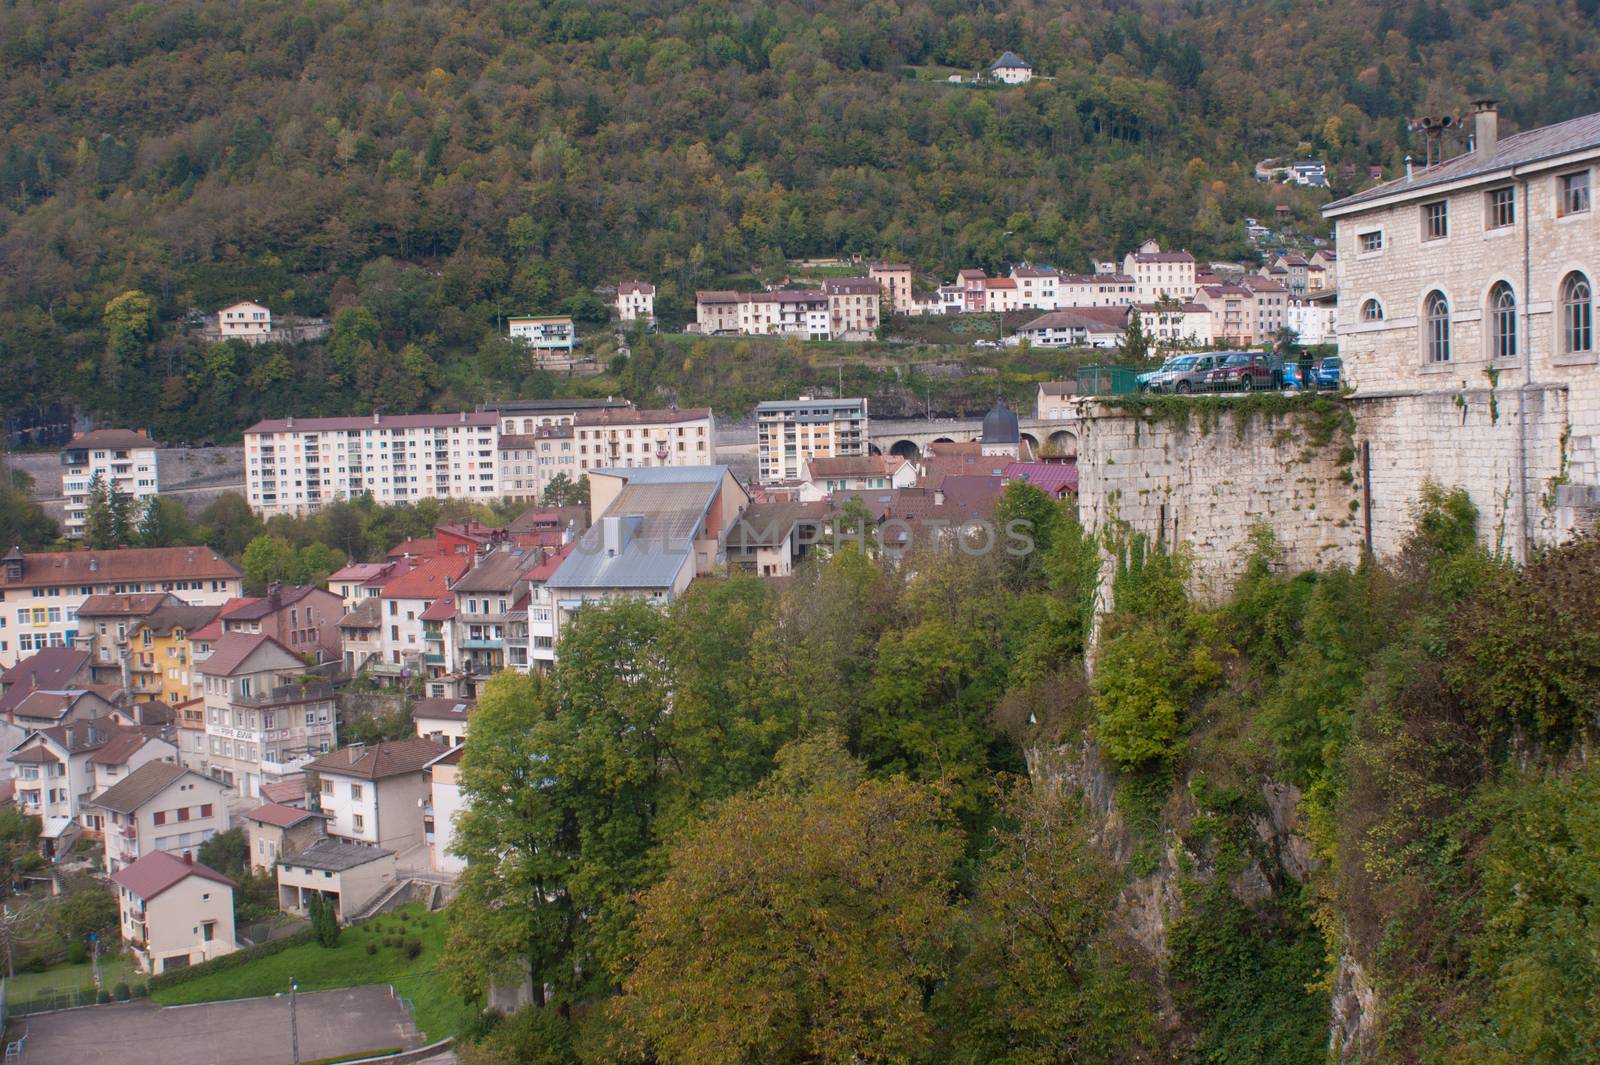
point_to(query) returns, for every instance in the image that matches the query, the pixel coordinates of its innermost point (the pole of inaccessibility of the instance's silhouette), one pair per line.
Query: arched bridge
(910, 437)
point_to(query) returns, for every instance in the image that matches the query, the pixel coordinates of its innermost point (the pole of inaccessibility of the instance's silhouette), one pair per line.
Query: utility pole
(294, 1025)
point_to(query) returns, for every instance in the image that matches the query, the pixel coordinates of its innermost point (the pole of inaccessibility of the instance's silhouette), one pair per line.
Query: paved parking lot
(245, 1032)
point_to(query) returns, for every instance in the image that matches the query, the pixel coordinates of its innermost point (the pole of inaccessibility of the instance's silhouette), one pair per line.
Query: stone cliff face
(1280, 857)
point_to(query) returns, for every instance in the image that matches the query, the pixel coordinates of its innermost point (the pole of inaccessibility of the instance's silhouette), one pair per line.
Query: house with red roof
(375, 794)
(276, 831)
(175, 912)
(401, 605)
(303, 618)
(265, 718)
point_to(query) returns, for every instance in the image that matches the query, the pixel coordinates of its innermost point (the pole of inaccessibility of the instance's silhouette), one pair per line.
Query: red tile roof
(122, 566)
(52, 669)
(109, 438)
(428, 581)
(1053, 478)
(441, 609)
(286, 792)
(379, 760)
(273, 813)
(629, 288)
(233, 650)
(159, 871)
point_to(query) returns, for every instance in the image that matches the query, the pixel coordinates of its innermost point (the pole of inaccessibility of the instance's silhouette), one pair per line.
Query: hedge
(231, 961)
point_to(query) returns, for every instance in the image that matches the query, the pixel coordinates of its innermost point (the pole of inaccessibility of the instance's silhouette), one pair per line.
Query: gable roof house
(375, 794)
(159, 806)
(1011, 69)
(174, 911)
(276, 832)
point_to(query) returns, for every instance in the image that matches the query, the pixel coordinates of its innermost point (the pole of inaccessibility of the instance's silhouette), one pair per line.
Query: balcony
(433, 660)
(287, 694)
(484, 645)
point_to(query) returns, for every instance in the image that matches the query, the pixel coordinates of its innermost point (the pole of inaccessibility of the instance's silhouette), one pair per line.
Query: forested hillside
(440, 164)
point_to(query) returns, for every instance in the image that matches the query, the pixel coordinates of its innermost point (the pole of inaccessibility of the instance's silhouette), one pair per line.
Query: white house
(124, 459)
(444, 774)
(376, 795)
(161, 806)
(546, 333)
(1011, 69)
(636, 301)
(175, 912)
(247, 321)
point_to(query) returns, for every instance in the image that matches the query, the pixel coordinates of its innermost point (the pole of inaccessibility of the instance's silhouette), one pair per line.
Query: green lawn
(438, 1012)
(64, 977)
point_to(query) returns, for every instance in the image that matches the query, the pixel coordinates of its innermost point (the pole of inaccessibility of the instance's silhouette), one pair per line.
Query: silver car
(1188, 373)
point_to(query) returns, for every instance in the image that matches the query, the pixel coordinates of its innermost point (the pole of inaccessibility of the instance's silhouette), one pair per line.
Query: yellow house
(159, 656)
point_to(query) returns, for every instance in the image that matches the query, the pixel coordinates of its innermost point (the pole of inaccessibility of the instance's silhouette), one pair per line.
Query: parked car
(1142, 382)
(1188, 373)
(1242, 371)
(1329, 372)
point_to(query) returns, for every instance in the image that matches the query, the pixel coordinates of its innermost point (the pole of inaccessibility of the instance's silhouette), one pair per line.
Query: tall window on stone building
(1436, 321)
(1577, 314)
(1502, 322)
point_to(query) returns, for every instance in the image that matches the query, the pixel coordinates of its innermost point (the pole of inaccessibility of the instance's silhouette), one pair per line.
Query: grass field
(438, 1012)
(64, 977)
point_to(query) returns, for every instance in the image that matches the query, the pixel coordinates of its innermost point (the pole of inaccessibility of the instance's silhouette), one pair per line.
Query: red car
(1242, 371)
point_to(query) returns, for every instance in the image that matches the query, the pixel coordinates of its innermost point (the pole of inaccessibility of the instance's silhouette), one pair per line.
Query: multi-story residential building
(401, 604)
(1160, 274)
(375, 795)
(1314, 316)
(1320, 269)
(1000, 294)
(822, 477)
(444, 789)
(529, 463)
(57, 669)
(442, 720)
(544, 333)
(276, 832)
(636, 301)
(295, 465)
(1233, 313)
(360, 581)
(716, 312)
(1038, 288)
(41, 592)
(104, 624)
(894, 279)
(803, 313)
(174, 911)
(58, 769)
(264, 721)
(789, 432)
(1272, 306)
(484, 602)
(643, 438)
(361, 636)
(1467, 296)
(42, 709)
(952, 298)
(1097, 290)
(1054, 400)
(123, 459)
(654, 531)
(528, 416)
(159, 655)
(303, 618)
(160, 806)
(247, 321)
(1177, 325)
(541, 612)
(1295, 271)
(770, 538)
(973, 293)
(758, 314)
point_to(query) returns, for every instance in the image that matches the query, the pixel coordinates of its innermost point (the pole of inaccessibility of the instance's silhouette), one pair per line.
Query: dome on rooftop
(1000, 425)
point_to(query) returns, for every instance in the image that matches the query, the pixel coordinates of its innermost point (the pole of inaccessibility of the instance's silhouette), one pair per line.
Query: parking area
(245, 1032)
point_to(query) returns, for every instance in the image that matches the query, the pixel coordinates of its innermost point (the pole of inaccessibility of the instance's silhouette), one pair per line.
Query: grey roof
(644, 562)
(1545, 142)
(1009, 59)
(139, 787)
(1000, 425)
(777, 405)
(667, 474)
(335, 855)
(497, 571)
(646, 535)
(366, 615)
(769, 524)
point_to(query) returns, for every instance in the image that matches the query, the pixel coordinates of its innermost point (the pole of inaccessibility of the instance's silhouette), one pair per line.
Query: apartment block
(544, 333)
(123, 459)
(894, 279)
(295, 465)
(789, 432)
(264, 721)
(1160, 274)
(644, 438)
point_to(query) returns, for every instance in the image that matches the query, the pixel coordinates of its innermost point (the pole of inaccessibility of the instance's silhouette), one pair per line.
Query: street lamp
(294, 1026)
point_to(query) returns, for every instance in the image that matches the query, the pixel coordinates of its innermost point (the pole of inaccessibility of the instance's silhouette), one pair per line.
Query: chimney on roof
(289, 422)
(188, 857)
(376, 417)
(1486, 127)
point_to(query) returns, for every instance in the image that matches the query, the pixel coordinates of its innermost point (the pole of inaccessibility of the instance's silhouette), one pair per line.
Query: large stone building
(1160, 275)
(1467, 315)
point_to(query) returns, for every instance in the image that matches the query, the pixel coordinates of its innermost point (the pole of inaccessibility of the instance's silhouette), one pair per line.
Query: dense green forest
(421, 169)
(881, 813)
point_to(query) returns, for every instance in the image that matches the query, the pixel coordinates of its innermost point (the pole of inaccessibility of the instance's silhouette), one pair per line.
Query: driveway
(253, 1031)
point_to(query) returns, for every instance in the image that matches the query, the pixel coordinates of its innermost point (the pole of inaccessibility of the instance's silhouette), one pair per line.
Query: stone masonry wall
(1207, 479)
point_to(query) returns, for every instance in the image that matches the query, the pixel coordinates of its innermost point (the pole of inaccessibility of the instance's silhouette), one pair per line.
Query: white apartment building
(1314, 317)
(444, 780)
(758, 314)
(295, 465)
(1181, 325)
(1272, 305)
(629, 438)
(853, 307)
(804, 313)
(40, 592)
(789, 432)
(1037, 288)
(1160, 274)
(262, 723)
(1466, 322)
(124, 459)
(376, 795)
(544, 332)
(247, 321)
(636, 301)
(1097, 290)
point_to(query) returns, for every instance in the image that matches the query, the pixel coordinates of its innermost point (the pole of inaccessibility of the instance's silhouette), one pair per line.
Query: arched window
(1502, 322)
(1577, 314)
(1372, 311)
(1436, 320)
